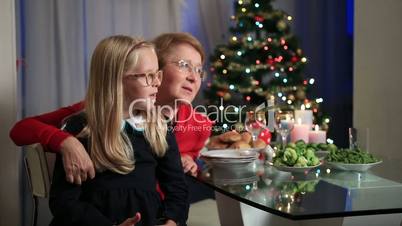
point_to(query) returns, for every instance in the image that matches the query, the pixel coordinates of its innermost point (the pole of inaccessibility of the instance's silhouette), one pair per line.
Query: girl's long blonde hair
(110, 148)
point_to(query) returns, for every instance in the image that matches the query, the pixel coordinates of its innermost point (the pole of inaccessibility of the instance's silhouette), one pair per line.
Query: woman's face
(138, 87)
(178, 82)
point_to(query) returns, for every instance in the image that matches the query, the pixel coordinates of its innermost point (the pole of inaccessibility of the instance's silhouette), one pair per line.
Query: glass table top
(320, 193)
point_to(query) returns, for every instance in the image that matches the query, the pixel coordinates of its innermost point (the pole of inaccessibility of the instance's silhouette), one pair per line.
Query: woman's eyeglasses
(147, 78)
(186, 66)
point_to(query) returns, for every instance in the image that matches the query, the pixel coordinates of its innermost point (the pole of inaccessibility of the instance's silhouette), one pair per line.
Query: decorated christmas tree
(261, 60)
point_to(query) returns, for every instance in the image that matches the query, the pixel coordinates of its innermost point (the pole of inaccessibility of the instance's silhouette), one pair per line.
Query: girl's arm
(171, 179)
(44, 128)
(65, 203)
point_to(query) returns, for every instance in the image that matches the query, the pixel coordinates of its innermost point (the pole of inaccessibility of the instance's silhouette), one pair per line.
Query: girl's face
(141, 82)
(181, 79)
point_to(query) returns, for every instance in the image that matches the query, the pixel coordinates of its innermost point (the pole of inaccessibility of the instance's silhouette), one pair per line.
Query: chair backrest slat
(38, 171)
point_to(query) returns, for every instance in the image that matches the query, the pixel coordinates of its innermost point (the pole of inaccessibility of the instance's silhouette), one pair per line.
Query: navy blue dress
(110, 198)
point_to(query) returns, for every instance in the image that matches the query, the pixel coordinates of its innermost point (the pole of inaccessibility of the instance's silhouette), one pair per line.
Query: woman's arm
(191, 136)
(193, 133)
(65, 203)
(171, 180)
(203, 135)
(44, 128)
(188, 155)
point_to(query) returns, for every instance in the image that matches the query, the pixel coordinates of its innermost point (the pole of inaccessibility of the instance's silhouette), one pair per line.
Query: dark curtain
(325, 31)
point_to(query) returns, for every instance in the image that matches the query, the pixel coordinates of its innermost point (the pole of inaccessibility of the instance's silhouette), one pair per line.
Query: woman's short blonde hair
(165, 42)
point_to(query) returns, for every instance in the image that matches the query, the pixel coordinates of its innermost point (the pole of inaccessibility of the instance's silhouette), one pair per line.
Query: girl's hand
(131, 221)
(77, 164)
(189, 166)
(169, 223)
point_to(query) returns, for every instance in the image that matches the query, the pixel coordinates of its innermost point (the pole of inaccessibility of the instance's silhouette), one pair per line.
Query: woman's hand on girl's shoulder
(131, 221)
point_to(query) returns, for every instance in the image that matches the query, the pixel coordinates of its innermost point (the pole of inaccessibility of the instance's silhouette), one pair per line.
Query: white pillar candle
(317, 136)
(306, 116)
(300, 132)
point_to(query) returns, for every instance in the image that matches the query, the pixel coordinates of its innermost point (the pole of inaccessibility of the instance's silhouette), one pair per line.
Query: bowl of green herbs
(351, 159)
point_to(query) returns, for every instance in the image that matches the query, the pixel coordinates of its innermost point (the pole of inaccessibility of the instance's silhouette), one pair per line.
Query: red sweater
(191, 134)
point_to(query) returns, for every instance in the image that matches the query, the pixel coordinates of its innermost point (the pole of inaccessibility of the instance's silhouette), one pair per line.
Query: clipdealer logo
(168, 113)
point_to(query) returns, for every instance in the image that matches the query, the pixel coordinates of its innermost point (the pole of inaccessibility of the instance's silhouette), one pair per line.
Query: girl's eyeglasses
(186, 66)
(146, 78)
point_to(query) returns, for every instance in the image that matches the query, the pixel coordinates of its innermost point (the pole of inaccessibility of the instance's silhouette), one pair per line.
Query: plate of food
(235, 140)
(321, 150)
(351, 160)
(296, 157)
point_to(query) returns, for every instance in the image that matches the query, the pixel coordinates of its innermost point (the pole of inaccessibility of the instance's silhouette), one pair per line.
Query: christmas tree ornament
(220, 93)
(281, 25)
(270, 61)
(300, 94)
(299, 52)
(227, 96)
(259, 91)
(259, 18)
(291, 97)
(217, 64)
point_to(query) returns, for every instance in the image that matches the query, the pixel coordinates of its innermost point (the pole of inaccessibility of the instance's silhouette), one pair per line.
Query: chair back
(38, 171)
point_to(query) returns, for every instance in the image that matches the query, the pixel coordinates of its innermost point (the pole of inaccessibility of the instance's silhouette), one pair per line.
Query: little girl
(128, 143)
